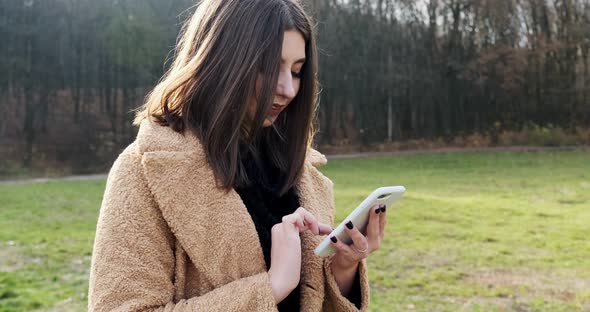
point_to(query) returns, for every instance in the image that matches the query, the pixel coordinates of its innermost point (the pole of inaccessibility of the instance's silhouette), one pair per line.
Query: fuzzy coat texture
(168, 239)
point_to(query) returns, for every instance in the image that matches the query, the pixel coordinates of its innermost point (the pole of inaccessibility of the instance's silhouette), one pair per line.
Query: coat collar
(155, 138)
(202, 216)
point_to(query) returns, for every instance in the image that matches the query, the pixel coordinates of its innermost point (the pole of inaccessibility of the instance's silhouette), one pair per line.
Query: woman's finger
(373, 226)
(309, 219)
(346, 252)
(382, 222)
(341, 247)
(359, 241)
(324, 229)
(295, 220)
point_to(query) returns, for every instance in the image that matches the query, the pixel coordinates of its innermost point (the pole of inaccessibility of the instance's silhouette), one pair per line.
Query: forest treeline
(72, 71)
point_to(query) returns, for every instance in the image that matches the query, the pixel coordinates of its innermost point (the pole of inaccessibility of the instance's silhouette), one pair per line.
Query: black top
(267, 208)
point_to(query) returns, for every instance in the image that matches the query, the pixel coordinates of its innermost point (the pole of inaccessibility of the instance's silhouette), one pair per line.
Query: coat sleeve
(133, 258)
(334, 300)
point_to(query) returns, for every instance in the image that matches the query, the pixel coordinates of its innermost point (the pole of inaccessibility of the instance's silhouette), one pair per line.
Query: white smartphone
(360, 217)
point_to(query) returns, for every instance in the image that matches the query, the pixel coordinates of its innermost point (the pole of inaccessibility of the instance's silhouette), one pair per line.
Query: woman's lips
(276, 109)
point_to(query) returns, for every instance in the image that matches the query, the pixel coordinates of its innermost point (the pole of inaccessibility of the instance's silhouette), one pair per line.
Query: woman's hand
(285, 253)
(345, 261)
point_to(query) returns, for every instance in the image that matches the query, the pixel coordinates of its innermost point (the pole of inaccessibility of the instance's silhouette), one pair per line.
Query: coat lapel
(213, 226)
(312, 282)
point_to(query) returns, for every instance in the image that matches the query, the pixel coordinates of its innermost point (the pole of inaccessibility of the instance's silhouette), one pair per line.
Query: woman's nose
(285, 86)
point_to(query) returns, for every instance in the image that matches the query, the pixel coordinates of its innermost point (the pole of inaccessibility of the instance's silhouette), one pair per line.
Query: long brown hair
(221, 50)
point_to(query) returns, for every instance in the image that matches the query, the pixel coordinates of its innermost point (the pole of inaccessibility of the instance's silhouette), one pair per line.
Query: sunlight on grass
(477, 231)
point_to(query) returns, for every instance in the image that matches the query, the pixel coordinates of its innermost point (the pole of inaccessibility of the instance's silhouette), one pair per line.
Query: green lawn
(474, 232)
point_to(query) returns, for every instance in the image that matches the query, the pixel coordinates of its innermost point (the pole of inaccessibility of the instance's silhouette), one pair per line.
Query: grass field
(475, 232)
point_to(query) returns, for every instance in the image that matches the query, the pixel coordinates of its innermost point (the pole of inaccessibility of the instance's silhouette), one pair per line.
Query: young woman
(218, 205)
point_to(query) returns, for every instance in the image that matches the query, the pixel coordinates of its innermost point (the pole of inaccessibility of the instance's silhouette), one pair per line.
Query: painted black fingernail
(349, 225)
(377, 210)
(333, 239)
(383, 208)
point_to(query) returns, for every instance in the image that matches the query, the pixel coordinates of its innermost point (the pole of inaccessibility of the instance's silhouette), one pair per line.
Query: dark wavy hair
(220, 52)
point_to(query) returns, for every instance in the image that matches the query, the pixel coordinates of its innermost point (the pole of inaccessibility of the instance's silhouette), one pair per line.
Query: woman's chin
(268, 121)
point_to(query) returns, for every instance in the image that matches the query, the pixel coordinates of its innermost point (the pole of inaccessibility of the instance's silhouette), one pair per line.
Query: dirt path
(346, 156)
(67, 178)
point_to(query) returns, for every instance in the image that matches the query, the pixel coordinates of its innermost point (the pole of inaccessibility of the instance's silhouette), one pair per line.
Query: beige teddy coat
(168, 239)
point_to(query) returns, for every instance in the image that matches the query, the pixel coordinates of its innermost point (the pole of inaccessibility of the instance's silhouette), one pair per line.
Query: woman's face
(292, 60)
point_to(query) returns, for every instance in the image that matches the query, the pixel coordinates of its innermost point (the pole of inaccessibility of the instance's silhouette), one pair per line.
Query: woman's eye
(296, 75)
